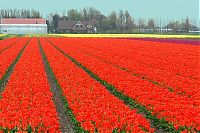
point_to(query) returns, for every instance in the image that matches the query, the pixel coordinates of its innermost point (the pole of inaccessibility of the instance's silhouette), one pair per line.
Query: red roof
(22, 21)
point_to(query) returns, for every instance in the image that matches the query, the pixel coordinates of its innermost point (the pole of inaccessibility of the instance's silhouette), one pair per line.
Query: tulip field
(99, 85)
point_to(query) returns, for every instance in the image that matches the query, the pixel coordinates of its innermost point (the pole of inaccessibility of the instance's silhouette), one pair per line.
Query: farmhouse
(23, 26)
(66, 26)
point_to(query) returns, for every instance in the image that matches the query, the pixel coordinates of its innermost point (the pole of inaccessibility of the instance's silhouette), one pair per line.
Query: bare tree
(128, 22)
(151, 24)
(141, 24)
(187, 25)
(113, 20)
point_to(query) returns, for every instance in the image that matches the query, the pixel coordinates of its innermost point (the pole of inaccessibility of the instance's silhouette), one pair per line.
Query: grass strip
(5, 36)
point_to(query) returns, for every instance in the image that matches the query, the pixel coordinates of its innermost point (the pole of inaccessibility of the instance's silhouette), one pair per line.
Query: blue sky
(171, 9)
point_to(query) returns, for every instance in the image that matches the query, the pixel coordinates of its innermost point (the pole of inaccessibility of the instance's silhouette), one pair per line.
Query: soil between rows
(5, 79)
(9, 46)
(112, 91)
(65, 125)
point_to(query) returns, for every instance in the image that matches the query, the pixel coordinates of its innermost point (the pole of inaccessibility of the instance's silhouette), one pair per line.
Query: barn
(23, 26)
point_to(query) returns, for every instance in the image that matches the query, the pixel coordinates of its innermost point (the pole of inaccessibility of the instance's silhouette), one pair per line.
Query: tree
(34, 14)
(141, 24)
(121, 17)
(74, 15)
(85, 14)
(174, 25)
(112, 18)
(186, 25)
(23, 13)
(151, 24)
(101, 23)
(128, 22)
(55, 20)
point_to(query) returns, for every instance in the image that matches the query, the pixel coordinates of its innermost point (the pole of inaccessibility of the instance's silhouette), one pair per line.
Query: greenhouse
(23, 26)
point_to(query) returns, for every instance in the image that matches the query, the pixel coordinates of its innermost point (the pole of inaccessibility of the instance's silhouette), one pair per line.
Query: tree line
(23, 13)
(116, 22)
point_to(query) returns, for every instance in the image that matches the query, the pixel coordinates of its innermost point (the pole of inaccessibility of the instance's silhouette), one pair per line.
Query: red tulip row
(160, 62)
(104, 55)
(27, 100)
(7, 42)
(8, 56)
(93, 106)
(181, 111)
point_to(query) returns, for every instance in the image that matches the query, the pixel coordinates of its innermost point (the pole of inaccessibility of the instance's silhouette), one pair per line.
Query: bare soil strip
(131, 73)
(161, 125)
(65, 124)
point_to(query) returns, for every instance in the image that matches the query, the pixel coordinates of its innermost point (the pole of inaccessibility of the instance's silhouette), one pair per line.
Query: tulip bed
(165, 103)
(6, 44)
(93, 106)
(104, 84)
(145, 61)
(26, 103)
(7, 57)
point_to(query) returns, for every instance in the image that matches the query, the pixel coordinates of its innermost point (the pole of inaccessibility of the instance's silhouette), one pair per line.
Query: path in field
(90, 101)
(178, 110)
(27, 99)
(65, 125)
(169, 72)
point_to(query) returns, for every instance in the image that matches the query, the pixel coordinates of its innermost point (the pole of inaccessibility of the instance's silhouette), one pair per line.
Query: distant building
(23, 26)
(66, 26)
(194, 30)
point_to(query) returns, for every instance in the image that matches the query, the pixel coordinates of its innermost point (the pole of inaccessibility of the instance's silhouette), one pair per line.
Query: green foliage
(5, 36)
